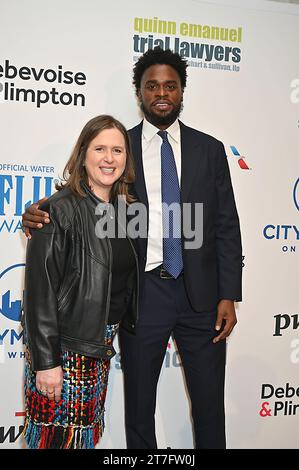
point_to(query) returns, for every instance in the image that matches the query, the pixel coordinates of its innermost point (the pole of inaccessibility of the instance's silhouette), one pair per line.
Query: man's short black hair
(159, 56)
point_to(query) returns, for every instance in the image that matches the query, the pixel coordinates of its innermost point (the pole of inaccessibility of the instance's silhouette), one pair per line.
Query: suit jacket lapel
(190, 163)
(190, 159)
(139, 185)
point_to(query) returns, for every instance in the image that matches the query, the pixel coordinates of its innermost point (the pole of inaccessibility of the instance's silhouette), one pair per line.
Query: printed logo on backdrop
(286, 324)
(41, 85)
(10, 434)
(286, 234)
(20, 186)
(11, 295)
(240, 159)
(279, 401)
(296, 194)
(205, 46)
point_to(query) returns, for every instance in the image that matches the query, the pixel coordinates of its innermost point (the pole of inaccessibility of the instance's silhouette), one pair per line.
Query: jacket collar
(190, 155)
(91, 197)
(191, 158)
(139, 185)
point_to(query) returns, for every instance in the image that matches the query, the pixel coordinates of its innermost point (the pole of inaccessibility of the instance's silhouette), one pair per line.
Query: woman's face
(105, 161)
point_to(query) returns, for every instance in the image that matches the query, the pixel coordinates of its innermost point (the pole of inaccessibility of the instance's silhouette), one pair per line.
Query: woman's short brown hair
(74, 171)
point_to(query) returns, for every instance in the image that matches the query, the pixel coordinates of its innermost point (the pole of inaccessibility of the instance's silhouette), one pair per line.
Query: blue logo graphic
(14, 195)
(289, 232)
(296, 194)
(17, 192)
(11, 301)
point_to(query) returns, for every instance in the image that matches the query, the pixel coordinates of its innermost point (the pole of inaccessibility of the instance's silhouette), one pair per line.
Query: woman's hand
(49, 382)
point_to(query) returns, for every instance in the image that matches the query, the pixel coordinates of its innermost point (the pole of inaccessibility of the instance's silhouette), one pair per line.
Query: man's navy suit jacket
(213, 271)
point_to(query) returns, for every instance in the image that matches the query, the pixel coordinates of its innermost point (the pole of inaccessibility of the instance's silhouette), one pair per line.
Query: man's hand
(225, 313)
(34, 217)
(49, 382)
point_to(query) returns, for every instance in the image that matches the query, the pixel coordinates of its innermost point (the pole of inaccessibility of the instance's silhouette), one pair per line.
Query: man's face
(161, 95)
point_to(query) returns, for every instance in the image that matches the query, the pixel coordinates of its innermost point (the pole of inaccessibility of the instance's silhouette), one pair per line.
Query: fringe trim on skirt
(76, 421)
(41, 436)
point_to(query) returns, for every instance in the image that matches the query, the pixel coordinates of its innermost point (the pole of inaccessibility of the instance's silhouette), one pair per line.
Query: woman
(79, 285)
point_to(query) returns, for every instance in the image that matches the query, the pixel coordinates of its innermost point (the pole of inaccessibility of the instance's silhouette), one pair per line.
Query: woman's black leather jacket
(68, 283)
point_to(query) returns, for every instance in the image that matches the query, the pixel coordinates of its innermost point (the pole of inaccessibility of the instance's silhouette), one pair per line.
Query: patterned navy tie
(172, 243)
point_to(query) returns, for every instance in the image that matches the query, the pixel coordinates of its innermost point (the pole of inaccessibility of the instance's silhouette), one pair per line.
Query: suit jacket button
(109, 352)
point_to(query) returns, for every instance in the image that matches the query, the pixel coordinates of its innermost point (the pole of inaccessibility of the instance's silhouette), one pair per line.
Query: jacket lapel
(190, 159)
(190, 163)
(139, 185)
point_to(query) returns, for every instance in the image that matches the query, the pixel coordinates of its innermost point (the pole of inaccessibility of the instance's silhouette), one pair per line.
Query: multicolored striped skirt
(77, 420)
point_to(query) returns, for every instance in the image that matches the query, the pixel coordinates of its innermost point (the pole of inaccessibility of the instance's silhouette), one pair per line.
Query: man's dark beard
(166, 120)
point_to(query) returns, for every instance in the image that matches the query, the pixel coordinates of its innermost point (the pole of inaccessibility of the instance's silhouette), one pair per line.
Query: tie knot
(163, 134)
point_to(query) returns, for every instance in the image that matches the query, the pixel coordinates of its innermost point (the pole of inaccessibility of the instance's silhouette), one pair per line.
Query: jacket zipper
(110, 280)
(137, 272)
(110, 274)
(137, 266)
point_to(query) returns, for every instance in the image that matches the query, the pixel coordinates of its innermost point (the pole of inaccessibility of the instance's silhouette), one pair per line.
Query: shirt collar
(149, 131)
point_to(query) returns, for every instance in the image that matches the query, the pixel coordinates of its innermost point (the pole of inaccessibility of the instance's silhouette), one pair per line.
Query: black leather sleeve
(228, 237)
(46, 259)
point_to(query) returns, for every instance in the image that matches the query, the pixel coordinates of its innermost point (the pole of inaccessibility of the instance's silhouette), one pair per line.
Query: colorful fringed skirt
(77, 420)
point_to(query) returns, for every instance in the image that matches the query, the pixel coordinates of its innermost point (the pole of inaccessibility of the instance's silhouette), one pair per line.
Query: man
(186, 291)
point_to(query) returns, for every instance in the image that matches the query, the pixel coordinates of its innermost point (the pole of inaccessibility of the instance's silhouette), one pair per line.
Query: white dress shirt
(151, 157)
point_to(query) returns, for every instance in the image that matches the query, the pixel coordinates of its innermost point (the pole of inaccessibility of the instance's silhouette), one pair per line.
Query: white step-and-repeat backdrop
(63, 62)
